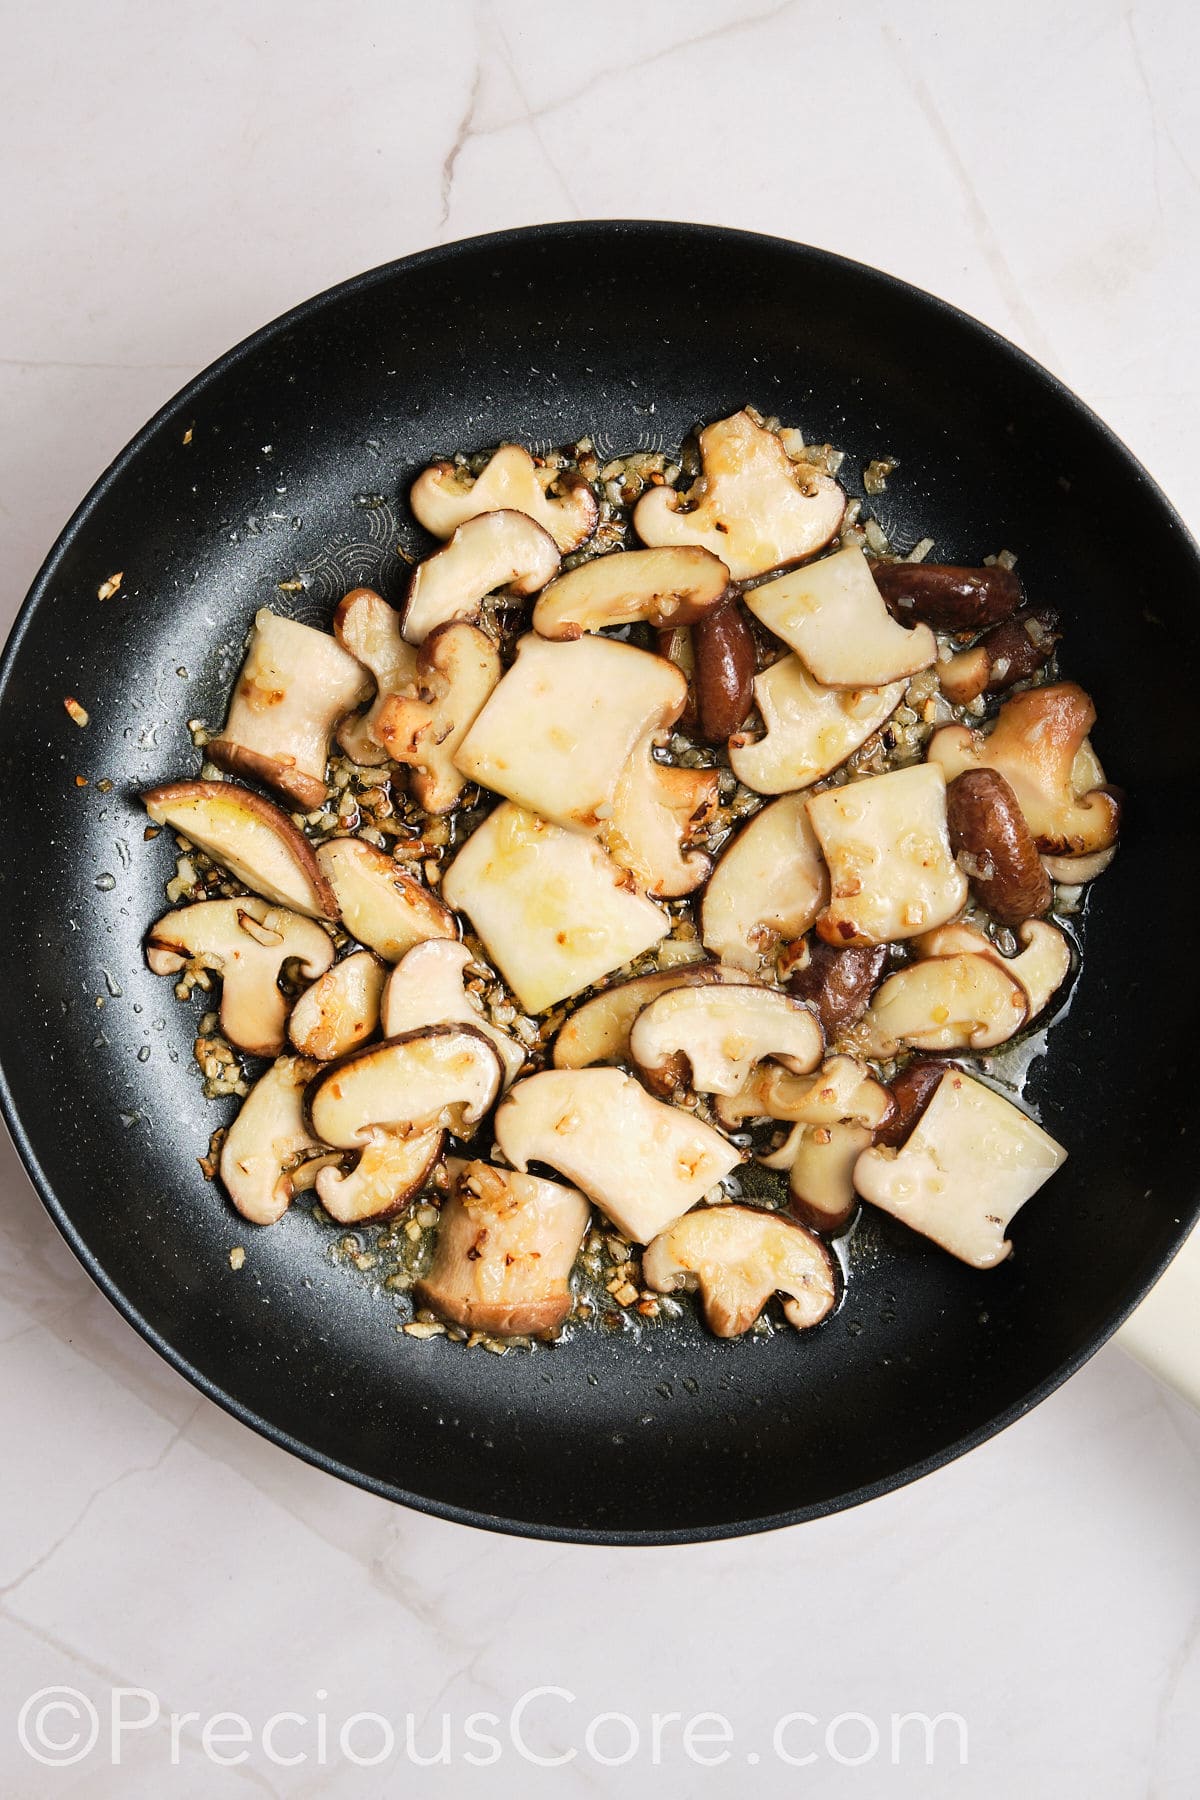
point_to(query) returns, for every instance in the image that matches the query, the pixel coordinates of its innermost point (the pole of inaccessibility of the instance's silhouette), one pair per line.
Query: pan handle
(1164, 1332)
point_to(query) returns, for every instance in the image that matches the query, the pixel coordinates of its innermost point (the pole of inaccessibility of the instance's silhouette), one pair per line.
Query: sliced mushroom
(366, 626)
(832, 615)
(948, 597)
(808, 729)
(708, 1038)
(488, 552)
(724, 660)
(739, 1257)
(267, 1141)
(835, 1122)
(942, 1003)
(295, 686)
(911, 1090)
(341, 1010)
(598, 1031)
(770, 883)
(458, 666)
(1040, 745)
(554, 912)
(389, 1171)
(380, 905)
(558, 731)
(837, 984)
(970, 1162)
(444, 496)
(840, 1089)
(891, 870)
(428, 986)
(1077, 871)
(1010, 653)
(247, 942)
(1041, 967)
(995, 848)
(505, 1246)
(674, 586)
(443, 1076)
(250, 837)
(643, 1163)
(752, 506)
(657, 809)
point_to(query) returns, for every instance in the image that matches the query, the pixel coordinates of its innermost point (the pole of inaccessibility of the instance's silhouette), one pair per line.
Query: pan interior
(291, 458)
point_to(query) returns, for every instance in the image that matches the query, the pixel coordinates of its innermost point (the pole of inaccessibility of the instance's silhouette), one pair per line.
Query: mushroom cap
(267, 1138)
(832, 615)
(891, 870)
(971, 1160)
(247, 941)
(841, 1089)
(752, 506)
(1040, 745)
(489, 551)
(598, 1031)
(553, 911)
(505, 1246)
(444, 497)
(643, 1163)
(808, 729)
(366, 626)
(821, 1173)
(442, 1075)
(340, 1010)
(955, 1002)
(710, 1037)
(380, 905)
(250, 837)
(738, 1257)
(770, 883)
(295, 685)
(558, 731)
(389, 1171)
(665, 587)
(428, 987)
(458, 666)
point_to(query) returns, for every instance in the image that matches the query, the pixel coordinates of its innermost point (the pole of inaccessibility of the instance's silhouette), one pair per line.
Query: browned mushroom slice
(832, 615)
(769, 884)
(247, 942)
(1040, 745)
(1077, 871)
(890, 866)
(708, 1038)
(948, 597)
(942, 1003)
(724, 659)
(808, 729)
(505, 1246)
(457, 668)
(341, 1010)
(656, 812)
(366, 626)
(995, 848)
(970, 1162)
(837, 984)
(267, 1142)
(445, 496)
(250, 837)
(642, 1162)
(1012, 652)
(674, 586)
(381, 906)
(598, 1031)
(492, 551)
(1041, 967)
(739, 1257)
(428, 986)
(752, 506)
(295, 686)
(834, 1122)
(389, 1171)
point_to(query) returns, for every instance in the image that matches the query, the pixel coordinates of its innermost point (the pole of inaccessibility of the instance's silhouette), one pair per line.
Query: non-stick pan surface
(291, 457)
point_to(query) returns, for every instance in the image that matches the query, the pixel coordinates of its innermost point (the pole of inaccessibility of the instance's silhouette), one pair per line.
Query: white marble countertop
(177, 177)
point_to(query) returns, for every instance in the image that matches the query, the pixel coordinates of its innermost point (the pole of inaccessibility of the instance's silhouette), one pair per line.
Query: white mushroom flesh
(490, 551)
(554, 912)
(892, 873)
(821, 1172)
(808, 729)
(739, 1257)
(769, 884)
(457, 669)
(656, 811)
(642, 1162)
(598, 1031)
(970, 1162)
(428, 986)
(381, 906)
(445, 1075)
(444, 497)
(389, 1171)
(664, 587)
(721, 1033)
(340, 1011)
(366, 626)
(752, 506)
(942, 1003)
(250, 837)
(267, 1140)
(833, 616)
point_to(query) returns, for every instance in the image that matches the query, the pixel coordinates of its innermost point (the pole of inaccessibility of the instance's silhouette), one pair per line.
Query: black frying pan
(303, 442)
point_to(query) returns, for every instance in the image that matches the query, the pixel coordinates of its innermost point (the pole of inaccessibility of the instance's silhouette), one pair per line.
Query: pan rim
(181, 401)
